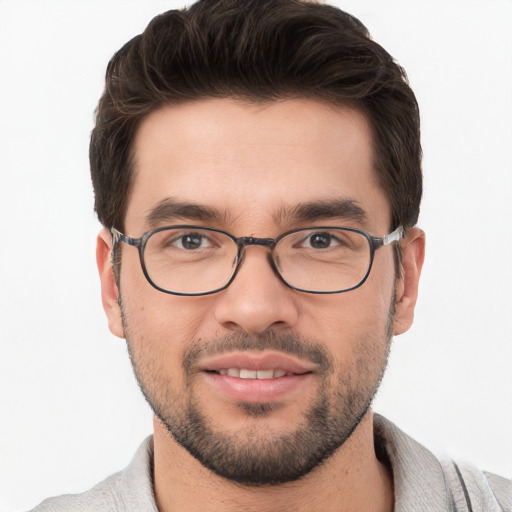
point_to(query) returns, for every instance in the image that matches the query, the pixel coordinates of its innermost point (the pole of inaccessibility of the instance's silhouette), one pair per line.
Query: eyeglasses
(197, 260)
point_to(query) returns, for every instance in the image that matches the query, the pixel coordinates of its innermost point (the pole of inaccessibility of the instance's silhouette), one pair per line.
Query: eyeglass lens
(195, 261)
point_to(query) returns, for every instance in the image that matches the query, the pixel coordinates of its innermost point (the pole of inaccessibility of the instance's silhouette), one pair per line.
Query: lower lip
(256, 390)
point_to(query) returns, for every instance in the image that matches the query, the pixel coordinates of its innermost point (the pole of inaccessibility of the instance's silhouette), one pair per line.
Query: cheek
(378, 292)
(355, 314)
(165, 322)
(353, 326)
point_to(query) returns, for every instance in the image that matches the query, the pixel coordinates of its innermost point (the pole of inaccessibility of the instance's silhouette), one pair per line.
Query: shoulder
(479, 490)
(423, 482)
(130, 489)
(103, 496)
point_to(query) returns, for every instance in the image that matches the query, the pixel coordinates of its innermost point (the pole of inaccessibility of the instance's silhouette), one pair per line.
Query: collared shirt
(422, 482)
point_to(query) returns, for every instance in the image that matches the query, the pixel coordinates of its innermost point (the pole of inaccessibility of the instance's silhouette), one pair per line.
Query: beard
(257, 455)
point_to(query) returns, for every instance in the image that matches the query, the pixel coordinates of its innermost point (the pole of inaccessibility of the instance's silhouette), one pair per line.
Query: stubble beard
(257, 455)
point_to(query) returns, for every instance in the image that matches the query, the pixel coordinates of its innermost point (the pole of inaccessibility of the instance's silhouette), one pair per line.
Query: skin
(252, 162)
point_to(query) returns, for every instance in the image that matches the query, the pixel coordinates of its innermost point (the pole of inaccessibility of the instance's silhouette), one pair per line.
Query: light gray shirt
(422, 482)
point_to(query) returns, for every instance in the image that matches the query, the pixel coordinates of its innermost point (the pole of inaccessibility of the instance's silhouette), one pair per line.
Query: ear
(109, 291)
(413, 254)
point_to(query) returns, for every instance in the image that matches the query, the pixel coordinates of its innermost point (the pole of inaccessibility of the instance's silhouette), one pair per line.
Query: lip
(256, 390)
(255, 361)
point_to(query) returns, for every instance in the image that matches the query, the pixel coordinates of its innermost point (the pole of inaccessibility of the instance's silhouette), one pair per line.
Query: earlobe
(413, 254)
(109, 290)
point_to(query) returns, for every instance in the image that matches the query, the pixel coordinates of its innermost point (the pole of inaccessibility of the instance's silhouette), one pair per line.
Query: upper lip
(251, 360)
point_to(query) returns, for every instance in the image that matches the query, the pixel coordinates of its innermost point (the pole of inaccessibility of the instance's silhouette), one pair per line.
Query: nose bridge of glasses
(244, 241)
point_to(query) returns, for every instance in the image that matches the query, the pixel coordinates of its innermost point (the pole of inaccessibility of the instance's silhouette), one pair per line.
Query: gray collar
(415, 469)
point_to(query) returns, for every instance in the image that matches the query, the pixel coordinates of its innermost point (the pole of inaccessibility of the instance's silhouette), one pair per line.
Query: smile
(253, 374)
(256, 376)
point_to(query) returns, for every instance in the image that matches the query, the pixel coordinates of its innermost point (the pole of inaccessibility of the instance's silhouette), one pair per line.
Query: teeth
(265, 374)
(252, 374)
(248, 374)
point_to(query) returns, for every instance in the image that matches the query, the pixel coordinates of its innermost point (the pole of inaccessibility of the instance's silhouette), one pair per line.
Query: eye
(191, 241)
(320, 240)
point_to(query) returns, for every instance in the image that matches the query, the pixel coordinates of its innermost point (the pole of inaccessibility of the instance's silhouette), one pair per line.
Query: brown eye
(190, 241)
(320, 240)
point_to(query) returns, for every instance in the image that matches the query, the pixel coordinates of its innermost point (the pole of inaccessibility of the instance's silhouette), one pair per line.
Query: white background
(70, 411)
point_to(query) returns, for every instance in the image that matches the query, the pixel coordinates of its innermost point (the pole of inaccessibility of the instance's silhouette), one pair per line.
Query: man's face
(251, 168)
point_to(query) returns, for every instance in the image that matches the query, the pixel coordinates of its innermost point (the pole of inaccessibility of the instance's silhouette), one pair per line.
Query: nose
(257, 299)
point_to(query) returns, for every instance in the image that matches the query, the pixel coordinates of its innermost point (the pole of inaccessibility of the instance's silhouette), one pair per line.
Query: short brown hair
(259, 50)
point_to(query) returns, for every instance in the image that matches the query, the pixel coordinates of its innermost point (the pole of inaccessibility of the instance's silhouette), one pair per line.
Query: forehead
(253, 160)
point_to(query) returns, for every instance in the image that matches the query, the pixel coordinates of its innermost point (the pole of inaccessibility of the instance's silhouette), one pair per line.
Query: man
(256, 167)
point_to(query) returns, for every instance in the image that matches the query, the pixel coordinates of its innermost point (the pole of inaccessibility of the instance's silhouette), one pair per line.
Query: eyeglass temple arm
(394, 236)
(117, 237)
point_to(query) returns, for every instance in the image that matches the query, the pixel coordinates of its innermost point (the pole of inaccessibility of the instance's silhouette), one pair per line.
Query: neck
(351, 479)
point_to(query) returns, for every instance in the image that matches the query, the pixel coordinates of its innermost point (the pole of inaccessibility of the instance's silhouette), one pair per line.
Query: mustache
(269, 340)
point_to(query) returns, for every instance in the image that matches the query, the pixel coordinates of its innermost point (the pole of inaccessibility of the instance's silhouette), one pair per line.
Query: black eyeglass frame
(375, 242)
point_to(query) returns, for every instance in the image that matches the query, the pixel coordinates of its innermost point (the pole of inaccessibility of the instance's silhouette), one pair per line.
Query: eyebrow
(343, 208)
(172, 209)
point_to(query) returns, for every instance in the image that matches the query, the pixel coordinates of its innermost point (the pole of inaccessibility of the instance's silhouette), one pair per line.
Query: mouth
(256, 377)
(244, 373)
